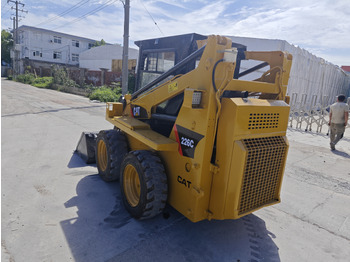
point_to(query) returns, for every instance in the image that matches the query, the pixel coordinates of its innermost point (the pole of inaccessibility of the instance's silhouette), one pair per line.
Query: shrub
(60, 77)
(89, 87)
(105, 94)
(43, 82)
(27, 78)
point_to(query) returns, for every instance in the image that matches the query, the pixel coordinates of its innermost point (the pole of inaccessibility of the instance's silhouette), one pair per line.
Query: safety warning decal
(172, 87)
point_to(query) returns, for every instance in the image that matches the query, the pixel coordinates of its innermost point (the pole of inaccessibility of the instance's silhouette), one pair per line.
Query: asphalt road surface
(56, 208)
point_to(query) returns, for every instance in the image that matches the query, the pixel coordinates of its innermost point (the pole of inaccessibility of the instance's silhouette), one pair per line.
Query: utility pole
(15, 34)
(14, 29)
(14, 44)
(125, 69)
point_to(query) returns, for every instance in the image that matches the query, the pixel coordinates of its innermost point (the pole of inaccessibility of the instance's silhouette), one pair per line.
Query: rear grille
(263, 120)
(262, 172)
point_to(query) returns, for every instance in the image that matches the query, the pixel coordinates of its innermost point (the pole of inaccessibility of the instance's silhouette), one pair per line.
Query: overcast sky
(322, 27)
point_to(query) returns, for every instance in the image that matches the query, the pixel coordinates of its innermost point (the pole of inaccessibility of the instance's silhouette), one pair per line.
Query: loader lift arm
(272, 83)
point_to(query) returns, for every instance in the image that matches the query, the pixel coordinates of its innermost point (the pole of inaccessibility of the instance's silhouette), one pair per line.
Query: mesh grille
(262, 173)
(263, 120)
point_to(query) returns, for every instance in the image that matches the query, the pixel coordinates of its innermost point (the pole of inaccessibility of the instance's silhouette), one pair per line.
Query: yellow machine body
(224, 157)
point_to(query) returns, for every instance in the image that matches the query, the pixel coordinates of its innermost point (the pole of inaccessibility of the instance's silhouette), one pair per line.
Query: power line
(108, 3)
(151, 17)
(8, 10)
(72, 8)
(2, 7)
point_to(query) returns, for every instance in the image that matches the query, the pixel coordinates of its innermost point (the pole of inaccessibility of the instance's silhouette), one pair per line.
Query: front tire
(111, 147)
(143, 184)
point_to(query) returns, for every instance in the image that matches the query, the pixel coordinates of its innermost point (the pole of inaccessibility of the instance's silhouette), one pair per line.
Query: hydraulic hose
(213, 74)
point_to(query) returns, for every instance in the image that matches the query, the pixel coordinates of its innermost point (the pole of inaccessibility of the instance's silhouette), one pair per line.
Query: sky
(322, 27)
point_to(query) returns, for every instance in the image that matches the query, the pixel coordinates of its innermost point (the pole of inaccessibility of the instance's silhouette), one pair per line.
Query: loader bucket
(87, 146)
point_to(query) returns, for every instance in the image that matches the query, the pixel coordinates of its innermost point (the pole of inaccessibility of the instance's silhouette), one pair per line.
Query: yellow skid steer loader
(196, 136)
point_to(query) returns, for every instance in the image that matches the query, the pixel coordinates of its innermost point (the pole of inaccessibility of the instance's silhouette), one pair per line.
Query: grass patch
(60, 81)
(43, 82)
(105, 94)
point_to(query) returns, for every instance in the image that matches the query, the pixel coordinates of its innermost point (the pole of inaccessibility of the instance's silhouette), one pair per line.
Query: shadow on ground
(340, 153)
(104, 231)
(324, 134)
(311, 132)
(76, 161)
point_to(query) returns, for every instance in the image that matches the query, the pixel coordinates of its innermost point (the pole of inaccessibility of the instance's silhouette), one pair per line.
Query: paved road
(55, 208)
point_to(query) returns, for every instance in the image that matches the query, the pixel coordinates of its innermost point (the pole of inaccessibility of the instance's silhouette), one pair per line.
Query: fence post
(103, 75)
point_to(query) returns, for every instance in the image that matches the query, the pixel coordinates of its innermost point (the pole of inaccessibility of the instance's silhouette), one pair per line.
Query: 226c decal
(187, 140)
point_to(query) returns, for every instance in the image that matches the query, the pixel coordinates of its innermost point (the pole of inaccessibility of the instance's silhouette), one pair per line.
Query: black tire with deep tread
(153, 184)
(117, 148)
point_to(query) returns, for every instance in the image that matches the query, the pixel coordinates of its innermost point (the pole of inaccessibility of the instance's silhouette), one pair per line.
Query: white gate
(313, 116)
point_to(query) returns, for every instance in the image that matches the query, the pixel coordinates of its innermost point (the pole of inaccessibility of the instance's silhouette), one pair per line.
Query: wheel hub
(102, 155)
(131, 184)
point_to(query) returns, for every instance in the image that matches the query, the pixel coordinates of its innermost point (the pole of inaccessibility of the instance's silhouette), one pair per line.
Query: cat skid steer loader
(194, 135)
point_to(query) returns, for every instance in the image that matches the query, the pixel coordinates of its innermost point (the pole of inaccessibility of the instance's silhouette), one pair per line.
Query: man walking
(338, 120)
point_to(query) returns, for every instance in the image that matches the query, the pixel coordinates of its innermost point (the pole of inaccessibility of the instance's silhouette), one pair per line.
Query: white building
(43, 47)
(104, 56)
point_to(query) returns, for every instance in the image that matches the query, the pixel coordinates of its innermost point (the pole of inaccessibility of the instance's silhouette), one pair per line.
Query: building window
(37, 53)
(75, 43)
(90, 45)
(57, 39)
(75, 57)
(57, 55)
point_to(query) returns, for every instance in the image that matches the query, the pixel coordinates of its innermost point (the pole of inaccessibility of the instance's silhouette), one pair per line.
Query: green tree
(60, 76)
(6, 45)
(99, 43)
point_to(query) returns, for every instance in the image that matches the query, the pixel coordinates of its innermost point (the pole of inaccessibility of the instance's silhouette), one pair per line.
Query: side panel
(188, 169)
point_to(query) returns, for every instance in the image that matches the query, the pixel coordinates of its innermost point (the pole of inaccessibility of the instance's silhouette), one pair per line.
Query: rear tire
(111, 147)
(143, 184)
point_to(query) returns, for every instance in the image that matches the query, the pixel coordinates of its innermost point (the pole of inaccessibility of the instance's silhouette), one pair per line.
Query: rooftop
(31, 28)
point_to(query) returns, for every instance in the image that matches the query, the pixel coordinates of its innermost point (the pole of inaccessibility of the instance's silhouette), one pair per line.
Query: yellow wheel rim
(131, 184)
(102, 155)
